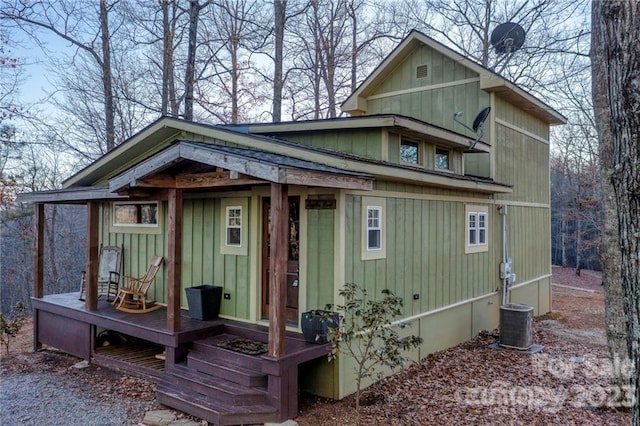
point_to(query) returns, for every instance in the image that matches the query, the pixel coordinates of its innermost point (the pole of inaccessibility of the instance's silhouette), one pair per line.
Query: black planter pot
(315, 323)
(204, 301)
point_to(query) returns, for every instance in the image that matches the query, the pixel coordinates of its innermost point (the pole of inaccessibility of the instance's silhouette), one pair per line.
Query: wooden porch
(198, 376)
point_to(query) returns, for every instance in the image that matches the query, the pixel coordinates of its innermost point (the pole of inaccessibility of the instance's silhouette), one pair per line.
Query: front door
(293, 258)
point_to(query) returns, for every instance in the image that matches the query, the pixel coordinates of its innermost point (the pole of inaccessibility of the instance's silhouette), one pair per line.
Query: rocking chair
(109, 270)
(132, 297)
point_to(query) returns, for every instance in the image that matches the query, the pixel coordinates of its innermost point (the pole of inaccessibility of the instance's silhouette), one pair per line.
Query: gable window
(135, 217)
(234, 229)
(373, 228)
(476, 229)
(442, 159)
(409, 152)
(234, 226)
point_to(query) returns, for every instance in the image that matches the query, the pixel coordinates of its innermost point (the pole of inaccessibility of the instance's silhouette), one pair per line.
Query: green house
(398, 195)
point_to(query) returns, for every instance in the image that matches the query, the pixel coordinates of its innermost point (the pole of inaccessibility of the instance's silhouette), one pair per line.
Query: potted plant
(315, 324)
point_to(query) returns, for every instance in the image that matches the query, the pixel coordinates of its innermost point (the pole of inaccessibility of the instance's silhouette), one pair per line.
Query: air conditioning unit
(516, 326)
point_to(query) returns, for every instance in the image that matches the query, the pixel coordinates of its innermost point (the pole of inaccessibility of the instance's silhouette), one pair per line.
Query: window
(234, 226)
(476, 228)
(373, 228)
(409, 152)
(442, 159)
(136, 217)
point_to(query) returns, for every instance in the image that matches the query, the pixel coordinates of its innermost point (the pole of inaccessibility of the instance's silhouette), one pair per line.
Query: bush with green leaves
(368, 333)
(11, 324)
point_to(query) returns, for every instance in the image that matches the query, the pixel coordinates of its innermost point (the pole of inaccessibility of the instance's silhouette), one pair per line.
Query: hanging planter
(316, 323)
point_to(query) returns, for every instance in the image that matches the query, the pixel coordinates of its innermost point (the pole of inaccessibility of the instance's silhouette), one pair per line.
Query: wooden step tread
(212, 410)
(186, 373)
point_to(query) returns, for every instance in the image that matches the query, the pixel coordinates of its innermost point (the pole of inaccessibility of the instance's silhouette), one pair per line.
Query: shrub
(368, 334)
(11, 324)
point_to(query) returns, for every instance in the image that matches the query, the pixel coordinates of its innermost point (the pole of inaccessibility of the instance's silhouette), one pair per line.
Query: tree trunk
(166, 40)
(280, 7)
(189, 79)
(107, 78)
(616, 98)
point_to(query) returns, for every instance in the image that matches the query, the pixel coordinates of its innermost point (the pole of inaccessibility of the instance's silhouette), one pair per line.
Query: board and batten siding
(202, 260)
(425, 243)
(138, 249)
(448, 87)
(320, 255)
(365, 143)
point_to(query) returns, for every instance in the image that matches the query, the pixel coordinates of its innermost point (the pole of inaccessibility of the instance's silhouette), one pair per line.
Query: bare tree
(229, 86)
(69, 20)
(616, 99)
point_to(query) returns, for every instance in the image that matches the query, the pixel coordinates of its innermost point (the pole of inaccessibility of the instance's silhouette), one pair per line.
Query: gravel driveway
(45, 388)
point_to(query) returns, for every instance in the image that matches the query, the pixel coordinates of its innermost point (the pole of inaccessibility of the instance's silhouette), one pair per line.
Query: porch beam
(91, 275)
(278, 232)
(197, 180)
(174, 259)
(38, 265)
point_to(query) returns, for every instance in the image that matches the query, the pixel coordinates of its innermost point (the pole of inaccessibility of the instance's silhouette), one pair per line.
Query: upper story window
(477, 238)
(409, 152)
(135, 217)
(442, 160)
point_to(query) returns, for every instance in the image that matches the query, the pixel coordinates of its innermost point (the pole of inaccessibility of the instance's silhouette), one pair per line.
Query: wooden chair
(132, 297)
(109, 270)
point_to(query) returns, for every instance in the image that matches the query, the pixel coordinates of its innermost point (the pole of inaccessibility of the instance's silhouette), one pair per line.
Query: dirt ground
(566, 383)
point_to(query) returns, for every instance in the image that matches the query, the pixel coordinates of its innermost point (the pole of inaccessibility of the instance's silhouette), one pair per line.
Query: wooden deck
(197, 376)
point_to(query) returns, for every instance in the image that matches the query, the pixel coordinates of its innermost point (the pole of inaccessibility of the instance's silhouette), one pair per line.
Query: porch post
(174, 261)
(38, 249)
(91, 275)
(38, 266)
(278, 230)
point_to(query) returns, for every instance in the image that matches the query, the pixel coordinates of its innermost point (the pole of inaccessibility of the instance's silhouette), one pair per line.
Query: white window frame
(135, 228)
(477, 214)
(237, 210)
(227, 205)
(378, 205)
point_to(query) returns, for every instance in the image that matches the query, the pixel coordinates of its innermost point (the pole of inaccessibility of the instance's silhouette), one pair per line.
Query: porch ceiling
(231, 166)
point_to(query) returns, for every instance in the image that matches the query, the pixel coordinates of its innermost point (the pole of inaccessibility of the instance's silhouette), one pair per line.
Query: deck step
(220, 368)
(223, 390)
(213, 410)
(211, 351)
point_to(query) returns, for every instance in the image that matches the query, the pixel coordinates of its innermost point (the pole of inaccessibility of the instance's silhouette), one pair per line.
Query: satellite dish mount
(478, 123)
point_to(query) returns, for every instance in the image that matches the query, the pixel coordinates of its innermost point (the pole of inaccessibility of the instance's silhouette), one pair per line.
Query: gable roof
(490, 81)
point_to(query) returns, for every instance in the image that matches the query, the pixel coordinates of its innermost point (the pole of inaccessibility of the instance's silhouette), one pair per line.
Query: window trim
(476, 212)
(226, 205)
(135, 228)
(380, 205)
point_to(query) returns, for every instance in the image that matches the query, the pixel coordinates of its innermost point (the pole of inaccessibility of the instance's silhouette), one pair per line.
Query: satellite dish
(507, 37)
(478, 123)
